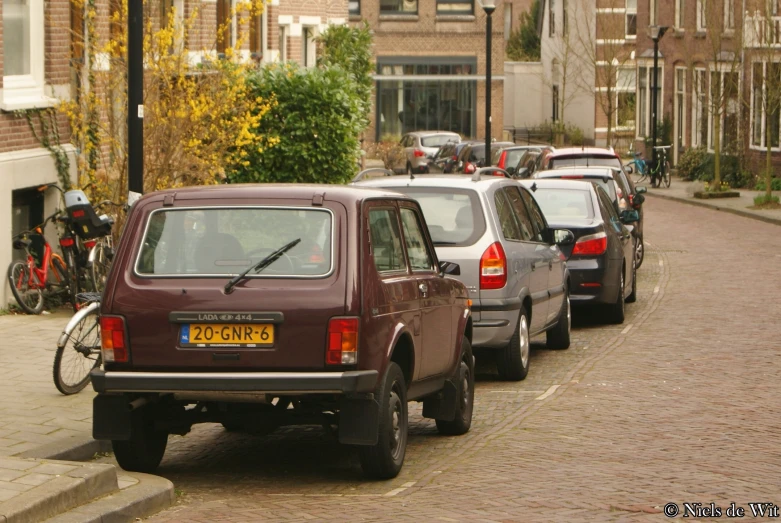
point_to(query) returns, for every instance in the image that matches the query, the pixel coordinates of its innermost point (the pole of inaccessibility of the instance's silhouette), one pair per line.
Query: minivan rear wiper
(435, 242)
(262, 264)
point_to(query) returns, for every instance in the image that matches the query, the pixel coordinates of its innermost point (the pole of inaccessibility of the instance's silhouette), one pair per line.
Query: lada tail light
(493, 267)
(113, 339)
(591, 245)
(342, 341)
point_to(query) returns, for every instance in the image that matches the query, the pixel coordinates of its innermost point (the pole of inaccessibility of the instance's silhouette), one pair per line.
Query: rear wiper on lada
(262, 264)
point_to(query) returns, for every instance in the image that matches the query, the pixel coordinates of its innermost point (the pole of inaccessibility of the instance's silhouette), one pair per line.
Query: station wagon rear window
(209, 241)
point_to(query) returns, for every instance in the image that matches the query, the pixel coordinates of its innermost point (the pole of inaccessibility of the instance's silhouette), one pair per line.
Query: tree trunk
(609, 117)
(717, 151)
(768, 164)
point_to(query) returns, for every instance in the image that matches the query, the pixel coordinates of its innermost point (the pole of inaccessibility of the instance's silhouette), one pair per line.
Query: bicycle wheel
(60, 273)
(666, 176)
(79, 354)
(73, 279)
(29, 299)
(101, 265)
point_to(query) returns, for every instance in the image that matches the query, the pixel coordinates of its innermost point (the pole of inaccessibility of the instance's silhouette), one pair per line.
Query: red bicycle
(28, 280)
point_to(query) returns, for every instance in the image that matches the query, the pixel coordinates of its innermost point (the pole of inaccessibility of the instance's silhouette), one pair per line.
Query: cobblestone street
(678, 404)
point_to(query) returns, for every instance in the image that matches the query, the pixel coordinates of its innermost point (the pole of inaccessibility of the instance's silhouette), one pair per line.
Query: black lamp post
(656, 33)
(135, 99)
(489, 6)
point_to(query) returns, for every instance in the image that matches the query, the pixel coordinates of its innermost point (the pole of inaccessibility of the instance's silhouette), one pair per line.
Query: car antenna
(534, 187)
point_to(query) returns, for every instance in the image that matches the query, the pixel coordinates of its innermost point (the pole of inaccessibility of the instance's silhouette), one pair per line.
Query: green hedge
(698, 164)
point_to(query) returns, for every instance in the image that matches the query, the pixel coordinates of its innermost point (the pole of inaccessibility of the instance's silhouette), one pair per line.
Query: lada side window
(527, 229)
(536, 216)
(504, 210)
(386, 241)
(219, 241)
(415, 241)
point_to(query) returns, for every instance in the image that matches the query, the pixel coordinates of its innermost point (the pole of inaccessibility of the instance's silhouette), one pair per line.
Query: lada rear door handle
(423, 288)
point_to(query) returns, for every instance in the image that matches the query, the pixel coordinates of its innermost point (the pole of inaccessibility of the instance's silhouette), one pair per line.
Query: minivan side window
(535, 214)
(527, 229)
(415, 241)
(507, 221)
(386, 241)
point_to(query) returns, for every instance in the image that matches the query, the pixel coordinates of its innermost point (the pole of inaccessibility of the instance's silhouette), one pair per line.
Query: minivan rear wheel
(144, 451)
(512, 362)
(558, 337)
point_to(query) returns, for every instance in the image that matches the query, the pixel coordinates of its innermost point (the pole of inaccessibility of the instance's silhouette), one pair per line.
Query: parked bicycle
(28, 279)
(659, 174)
(78, 347)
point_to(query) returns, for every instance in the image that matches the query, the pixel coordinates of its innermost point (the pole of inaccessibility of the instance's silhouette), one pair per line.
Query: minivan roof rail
(360, 175)
(482, 170)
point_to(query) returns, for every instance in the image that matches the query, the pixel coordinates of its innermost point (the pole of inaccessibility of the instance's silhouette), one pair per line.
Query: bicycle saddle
(21, 243)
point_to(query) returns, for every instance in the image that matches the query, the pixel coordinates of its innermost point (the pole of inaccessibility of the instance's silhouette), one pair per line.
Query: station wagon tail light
(493, 267)
(112, 337)
(342, 341)
(417, 153)
(590, 245)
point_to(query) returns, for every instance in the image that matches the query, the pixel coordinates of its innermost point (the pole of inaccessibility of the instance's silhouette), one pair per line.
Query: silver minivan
(420, 147)
(509, 260)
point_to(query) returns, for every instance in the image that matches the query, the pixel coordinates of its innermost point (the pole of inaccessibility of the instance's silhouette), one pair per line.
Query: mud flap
(442, 405)
(111, 417)
(359, 420)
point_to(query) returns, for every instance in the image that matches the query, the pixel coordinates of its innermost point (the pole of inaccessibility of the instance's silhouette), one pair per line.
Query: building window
(508, 21)
(631, 18)
(555, 98)
(23, 62)
(645, 74)
(224, 26)
(354, 7)
(395, 7)
(283, 43)
(551, 17)
(729, 15)
(256, 36)
(419, 100)
(680, 109)
(679, 5)
(702, 15)
(307, 47)
(555, 92)
(757, 102)
(724, 92)
(626, 97)
(651, 12)
(564, 18)
(454, 7)
(765, 104)
(699, 109)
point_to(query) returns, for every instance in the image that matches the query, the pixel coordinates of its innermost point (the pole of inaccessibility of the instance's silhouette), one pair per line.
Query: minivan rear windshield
(565, 203)
(454, 216)
(209, 241)
(584, 161)
(438, 140)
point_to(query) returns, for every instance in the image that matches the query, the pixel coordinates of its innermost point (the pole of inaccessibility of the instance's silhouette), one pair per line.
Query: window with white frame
(679, 11)
(308, 48)
(765, 104)
(23, 62)
(354, 8)
(564, 18)
(551, 18)
(645, 84)
(699, 109)
(729, 15)
(702, 15)
(399, 7)
(652, 12)
(626, 97)
(631, 19)
(724, 97)
(226, 22)
(455, 7)
(283, 43)
(680, 109)
(508, 20)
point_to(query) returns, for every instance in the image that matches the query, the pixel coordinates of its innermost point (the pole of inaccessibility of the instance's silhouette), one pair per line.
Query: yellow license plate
(230, 334)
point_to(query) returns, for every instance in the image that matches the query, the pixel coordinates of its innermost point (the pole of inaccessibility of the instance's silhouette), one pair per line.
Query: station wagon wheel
(512, 362)
(144, 451)
(615, 312)
(384, 459)
(465, 376)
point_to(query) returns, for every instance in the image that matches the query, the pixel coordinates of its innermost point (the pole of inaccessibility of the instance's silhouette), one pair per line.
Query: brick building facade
(431, 66)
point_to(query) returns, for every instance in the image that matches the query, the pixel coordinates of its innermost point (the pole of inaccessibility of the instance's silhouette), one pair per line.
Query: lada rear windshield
(220, 241)
(454, 216)
(565, 203)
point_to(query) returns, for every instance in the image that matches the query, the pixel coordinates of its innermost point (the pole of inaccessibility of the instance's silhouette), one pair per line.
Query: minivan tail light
(113, 338)
(417, 153)
(501, 160)
(590, 245)
(493, 267)
(342, 341)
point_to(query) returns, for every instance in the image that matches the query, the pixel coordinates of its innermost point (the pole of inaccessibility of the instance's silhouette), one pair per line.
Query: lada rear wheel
(384, 459)
(465, 375)
(144, 451)
(512, 362)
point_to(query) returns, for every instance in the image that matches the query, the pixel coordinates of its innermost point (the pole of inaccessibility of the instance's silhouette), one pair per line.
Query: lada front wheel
(384, 459)
(144, 451)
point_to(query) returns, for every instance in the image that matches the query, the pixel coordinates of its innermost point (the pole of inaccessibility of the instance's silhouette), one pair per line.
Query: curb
(73, 448)
(150, 495)
(738, 212)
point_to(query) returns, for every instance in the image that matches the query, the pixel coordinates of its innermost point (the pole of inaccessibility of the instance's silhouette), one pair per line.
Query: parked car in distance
(601, 260)
(539, 162)
(420, 147)
(259, 306)
(505, 157)
(446, 158)
(472, 156)
(513, 269)
(525, 165)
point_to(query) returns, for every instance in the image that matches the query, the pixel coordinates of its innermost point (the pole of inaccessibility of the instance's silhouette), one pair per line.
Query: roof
(594, 172)
(296, 191)
(557, 184)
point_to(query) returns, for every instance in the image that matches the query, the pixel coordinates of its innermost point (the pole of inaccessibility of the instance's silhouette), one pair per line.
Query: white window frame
(762, 145)
(680, 98)
(729, 16)
(702, 22)
(283, 36)
(652, 12)
(697, 103)
(630, 11)
(648, 64)
(722, 70)
(626, 88)
(679, 15)
(27, 91)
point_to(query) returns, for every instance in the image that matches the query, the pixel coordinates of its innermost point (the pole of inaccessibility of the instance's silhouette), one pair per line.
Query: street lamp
(656, 32)
(489, 6)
